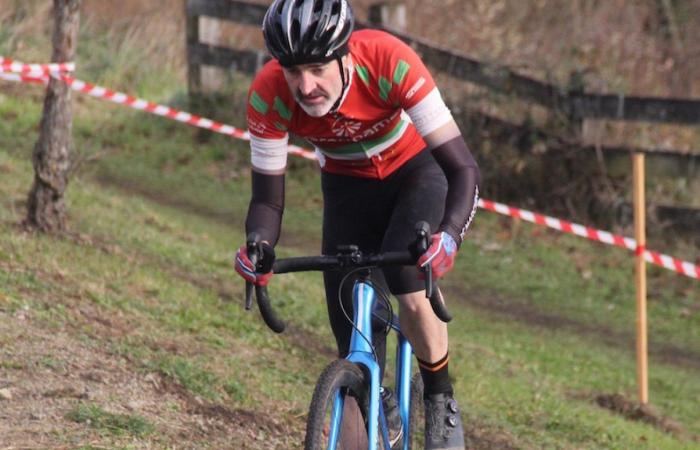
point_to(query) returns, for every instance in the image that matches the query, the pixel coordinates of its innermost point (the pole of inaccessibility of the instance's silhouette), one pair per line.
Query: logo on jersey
(256, 126)
(345, 128)
(419, 84)
(354, 129)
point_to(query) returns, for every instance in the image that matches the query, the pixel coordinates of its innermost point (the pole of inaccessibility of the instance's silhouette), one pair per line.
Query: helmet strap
(344, 80)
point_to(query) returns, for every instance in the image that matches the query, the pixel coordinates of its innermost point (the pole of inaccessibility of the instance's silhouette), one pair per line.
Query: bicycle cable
(381, 294)
(386, 300)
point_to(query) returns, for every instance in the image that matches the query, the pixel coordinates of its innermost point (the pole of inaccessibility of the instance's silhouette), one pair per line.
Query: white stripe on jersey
(268, 154)
(430, 113)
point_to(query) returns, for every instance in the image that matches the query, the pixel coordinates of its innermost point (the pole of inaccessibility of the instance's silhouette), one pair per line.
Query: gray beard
(313, 110)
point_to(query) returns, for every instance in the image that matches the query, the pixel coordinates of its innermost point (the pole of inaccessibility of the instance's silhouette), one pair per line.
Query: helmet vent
(307, 31)
(296, 30)
(278, 30)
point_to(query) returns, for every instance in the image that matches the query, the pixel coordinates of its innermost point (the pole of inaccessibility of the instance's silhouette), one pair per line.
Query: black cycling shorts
(378, 216)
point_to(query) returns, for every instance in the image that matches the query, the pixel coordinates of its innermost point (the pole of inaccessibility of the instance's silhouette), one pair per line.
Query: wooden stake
(641, 278)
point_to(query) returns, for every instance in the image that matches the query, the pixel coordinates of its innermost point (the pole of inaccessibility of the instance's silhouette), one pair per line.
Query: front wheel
(416, 433)
(340, 380)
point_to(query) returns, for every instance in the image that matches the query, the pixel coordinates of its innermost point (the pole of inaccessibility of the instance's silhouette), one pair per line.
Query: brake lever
(249, 295)
(431, 290)
(428, 271)
(422, 244)
(254, 248)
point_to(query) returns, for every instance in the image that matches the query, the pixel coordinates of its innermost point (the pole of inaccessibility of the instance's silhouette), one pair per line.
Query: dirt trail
(489, 301)
(45, 372)
(534, 317)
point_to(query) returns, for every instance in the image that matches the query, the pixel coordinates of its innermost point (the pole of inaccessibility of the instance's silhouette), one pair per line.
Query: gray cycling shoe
(443, 424)
(393, 418)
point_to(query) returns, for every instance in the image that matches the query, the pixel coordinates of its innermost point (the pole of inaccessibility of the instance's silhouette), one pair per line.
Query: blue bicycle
(346, 410)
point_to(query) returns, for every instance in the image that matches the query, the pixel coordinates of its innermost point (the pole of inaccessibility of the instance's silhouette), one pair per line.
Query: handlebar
(254, 247)
(349, 257)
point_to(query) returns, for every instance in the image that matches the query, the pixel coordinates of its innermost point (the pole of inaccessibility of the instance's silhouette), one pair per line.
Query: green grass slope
(141, 290)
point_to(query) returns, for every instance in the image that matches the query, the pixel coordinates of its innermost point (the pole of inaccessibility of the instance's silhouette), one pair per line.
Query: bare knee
(413, 303)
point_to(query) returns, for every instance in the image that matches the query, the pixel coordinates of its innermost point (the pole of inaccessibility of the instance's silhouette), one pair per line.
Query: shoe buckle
(452, 406)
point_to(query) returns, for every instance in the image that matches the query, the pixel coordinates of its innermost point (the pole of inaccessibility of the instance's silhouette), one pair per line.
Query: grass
(153, 232)
(117, 424)
(544, 322)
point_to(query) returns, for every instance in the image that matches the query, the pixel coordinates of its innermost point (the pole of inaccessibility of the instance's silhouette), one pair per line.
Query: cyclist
(390, 155)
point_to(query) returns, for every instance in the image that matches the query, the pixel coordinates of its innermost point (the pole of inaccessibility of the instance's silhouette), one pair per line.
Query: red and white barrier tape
(10, 66)
(29, 71)
(22, 78)
(166, 111)
(683, 267)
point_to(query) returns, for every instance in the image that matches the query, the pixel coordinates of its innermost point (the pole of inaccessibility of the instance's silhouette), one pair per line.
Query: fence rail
(246, 61)
(576, 105)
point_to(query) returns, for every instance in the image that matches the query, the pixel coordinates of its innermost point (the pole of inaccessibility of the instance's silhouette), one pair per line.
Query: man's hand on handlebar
(257, 268)
(440, 255)
(256, 260)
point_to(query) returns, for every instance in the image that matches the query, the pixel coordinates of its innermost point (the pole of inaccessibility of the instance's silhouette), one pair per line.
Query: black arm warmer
(463, 179)
(266, 206)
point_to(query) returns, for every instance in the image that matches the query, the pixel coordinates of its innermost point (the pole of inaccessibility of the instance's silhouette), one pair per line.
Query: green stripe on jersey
(400, 71)
(384, 88)
(258, 103)
(280, 126)
(363, 73)
(366, 146)
(282, 109)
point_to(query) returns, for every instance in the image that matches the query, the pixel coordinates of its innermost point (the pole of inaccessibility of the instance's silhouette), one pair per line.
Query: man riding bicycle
(391, 155)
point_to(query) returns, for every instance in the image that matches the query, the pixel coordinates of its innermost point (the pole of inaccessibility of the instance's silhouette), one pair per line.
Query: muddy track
(529, 315)
(310, 243)
(478, 436)
(224, 288)
(488, 301)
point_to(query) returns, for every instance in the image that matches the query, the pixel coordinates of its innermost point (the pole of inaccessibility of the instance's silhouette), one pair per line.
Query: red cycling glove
(440, 255)
(259, 275)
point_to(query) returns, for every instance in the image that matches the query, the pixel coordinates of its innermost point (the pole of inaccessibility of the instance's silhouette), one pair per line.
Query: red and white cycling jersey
(390, 103)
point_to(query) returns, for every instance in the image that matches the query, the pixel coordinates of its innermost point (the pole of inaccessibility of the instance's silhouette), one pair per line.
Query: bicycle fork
(404, 359)
(362, 353)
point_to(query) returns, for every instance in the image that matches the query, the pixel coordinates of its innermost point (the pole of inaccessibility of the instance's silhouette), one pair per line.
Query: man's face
(316, 87)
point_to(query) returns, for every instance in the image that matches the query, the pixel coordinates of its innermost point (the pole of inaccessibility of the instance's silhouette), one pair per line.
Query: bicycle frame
(364, 298)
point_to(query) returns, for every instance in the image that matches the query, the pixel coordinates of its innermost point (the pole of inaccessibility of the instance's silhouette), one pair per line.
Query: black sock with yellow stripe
(436, 379)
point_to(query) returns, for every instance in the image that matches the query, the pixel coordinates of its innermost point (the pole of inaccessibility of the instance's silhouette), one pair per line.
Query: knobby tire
(416, 434)
(340, 374)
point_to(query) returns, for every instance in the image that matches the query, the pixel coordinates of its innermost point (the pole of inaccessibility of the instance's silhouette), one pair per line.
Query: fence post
(194, 73)
(211, 78)
(575, 91)
(390, 14)
(641, 280)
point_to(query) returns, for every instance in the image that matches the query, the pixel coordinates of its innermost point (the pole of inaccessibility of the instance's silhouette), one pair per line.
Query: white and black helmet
(308, 31)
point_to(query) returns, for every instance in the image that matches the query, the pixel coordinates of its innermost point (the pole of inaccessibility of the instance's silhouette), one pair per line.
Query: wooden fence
(573, 104)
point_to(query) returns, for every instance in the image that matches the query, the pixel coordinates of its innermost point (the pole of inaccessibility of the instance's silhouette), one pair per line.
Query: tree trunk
(51, 158)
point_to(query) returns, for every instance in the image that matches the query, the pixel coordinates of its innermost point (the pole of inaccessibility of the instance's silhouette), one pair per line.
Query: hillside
(128, 331)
